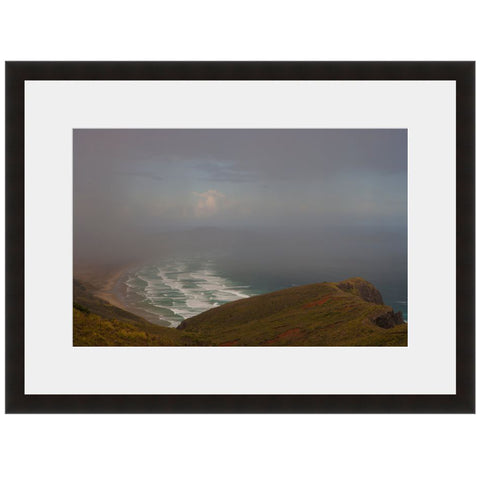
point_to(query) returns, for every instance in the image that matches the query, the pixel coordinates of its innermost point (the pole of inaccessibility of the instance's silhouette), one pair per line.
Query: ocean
(169, 291)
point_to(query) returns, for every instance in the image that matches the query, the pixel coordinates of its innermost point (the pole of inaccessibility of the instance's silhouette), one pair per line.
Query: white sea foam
(183, 288)
(179, 289)
(235, 293)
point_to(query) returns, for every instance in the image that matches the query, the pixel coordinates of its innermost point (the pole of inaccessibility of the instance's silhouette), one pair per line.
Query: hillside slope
(347, 313)
(90, 330)
(98, 323)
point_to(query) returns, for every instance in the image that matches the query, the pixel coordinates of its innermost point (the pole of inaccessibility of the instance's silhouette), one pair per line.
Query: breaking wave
(177, 290)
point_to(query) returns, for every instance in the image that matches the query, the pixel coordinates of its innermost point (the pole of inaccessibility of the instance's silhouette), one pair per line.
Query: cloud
(148, 175)
(207, 203)
(226, 171)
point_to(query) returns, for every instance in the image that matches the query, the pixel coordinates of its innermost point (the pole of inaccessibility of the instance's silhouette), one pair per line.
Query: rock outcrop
(388, 320)
(348, 313)
(363, 289)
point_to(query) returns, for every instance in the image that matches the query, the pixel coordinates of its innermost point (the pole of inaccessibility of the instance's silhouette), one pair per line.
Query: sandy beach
(105, 283)
(104, 280)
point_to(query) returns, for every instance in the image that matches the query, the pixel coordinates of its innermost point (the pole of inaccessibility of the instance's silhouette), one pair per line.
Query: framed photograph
(240, 237)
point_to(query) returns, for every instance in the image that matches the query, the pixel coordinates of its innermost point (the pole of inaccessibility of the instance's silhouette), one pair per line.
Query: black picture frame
(463, 73)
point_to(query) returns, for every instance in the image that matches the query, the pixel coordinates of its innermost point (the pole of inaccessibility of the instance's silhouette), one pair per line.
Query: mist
(305, 205)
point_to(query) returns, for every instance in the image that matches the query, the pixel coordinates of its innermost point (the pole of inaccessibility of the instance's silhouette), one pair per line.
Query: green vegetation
(92, 330)
(311, 315)
(98, 323)
(350, 313)
(80, 307)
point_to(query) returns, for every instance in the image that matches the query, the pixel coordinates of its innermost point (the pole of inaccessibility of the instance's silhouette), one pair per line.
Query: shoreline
(105, 280)
(107, 292)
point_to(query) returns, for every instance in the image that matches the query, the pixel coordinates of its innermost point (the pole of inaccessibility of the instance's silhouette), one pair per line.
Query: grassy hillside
(323, 314)
(98, 323)
(349, 313)
(93, 330)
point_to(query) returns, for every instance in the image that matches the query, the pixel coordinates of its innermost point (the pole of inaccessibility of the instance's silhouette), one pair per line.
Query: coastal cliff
(347, 313)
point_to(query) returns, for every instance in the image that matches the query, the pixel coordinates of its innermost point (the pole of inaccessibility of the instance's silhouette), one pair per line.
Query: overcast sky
(131, 182)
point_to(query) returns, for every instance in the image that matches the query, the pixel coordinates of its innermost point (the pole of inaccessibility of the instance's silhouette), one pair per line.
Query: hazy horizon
(276, 207)
(132, 187)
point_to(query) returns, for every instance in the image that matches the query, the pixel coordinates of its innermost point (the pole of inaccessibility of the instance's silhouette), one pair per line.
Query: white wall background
(307, 446)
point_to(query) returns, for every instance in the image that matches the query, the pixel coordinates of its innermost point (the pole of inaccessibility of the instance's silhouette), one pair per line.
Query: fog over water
(268, 208)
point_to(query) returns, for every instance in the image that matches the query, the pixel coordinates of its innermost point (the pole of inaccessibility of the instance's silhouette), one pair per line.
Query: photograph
(240, 240)
(240, 237)
(215, 210)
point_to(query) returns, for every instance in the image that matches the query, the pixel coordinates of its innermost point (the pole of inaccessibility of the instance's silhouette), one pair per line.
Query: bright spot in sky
(207, 203)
